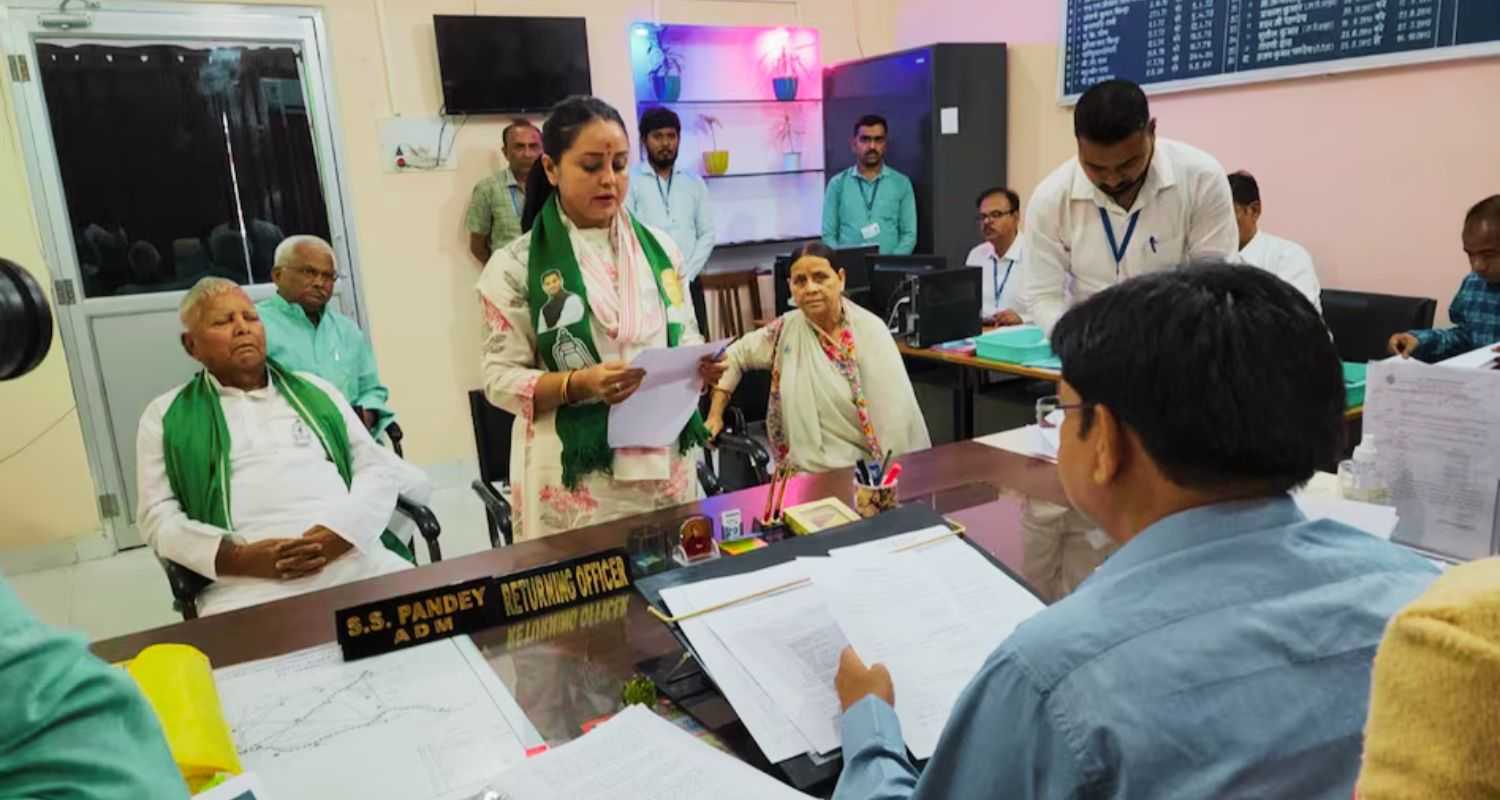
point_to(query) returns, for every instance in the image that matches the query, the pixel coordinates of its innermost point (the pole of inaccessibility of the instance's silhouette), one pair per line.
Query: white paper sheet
(637, 755)
(1031, 441)
(790, 645)
(768, 722)
(666, 399)
(1474, 359)
(432, 721)
(931, 614)
(1438, 436)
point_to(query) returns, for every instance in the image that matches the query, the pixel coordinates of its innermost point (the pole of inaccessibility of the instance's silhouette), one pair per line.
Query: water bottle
(1360, 477)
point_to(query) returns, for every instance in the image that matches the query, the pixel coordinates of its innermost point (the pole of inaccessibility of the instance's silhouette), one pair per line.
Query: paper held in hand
(668, 395)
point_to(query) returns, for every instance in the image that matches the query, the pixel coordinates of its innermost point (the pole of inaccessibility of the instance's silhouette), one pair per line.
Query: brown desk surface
(567, 668)
(975, 362)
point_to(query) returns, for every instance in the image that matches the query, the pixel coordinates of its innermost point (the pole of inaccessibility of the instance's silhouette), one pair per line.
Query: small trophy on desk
(696, 543)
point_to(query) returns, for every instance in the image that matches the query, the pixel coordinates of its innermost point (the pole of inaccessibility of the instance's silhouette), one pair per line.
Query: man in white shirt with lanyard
(660, 194)
(1127, 204)
(999, 255)
(1283, 258)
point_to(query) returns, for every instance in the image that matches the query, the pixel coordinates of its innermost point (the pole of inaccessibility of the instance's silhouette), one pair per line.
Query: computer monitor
(854, 261)
(888, 273)
(947, 305)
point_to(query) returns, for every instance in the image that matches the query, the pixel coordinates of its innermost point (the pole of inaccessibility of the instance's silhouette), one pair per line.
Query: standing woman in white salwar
(567, 306)
(839, 390)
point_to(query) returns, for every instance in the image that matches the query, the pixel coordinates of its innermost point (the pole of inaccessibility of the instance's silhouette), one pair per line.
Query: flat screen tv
(510, 65)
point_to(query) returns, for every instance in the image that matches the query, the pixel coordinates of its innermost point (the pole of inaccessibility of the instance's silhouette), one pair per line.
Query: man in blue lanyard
(674, 201)
(870, 203)
(494, 216)
(999, 255)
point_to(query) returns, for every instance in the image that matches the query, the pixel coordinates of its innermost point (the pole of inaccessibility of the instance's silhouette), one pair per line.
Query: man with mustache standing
(674, 201)
(1129, 204)
(870, 203)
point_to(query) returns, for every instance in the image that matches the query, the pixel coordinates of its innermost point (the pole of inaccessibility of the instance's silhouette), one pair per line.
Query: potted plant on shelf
(715, 161)
(785, 64)
(786, 133)
(666, 76)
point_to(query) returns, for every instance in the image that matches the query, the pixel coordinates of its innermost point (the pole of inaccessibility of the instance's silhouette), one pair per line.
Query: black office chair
(187, 585)
(743, 461)
(1362, 322)
(492, 444)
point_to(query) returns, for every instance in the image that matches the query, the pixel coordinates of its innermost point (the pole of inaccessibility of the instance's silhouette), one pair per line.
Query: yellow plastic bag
(179, 683)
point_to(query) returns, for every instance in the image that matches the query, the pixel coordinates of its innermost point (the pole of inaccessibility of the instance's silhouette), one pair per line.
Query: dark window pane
(169, 154)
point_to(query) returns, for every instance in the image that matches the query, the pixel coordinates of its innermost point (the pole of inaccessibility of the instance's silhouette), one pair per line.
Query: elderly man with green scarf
(259, 477)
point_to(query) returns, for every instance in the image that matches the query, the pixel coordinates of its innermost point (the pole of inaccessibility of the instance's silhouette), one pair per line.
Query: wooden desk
(567, 668)
(969, 366)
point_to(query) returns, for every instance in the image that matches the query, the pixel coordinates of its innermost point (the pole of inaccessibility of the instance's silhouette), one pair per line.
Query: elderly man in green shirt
(303, 334)
(870, 203)
(494, 216)
(72, 726)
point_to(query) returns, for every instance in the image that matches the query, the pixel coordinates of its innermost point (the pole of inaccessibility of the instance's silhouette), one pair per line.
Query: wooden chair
(723, 290)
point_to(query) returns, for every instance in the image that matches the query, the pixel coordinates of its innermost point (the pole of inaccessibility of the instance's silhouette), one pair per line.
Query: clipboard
(681, 678)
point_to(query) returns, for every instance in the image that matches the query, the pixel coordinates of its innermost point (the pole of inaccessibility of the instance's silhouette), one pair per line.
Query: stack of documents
(637, 755)
(926, 604)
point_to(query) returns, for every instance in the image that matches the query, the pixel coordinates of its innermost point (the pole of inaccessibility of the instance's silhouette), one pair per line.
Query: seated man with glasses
(1225, 649)
(304, 334)
(999, 255)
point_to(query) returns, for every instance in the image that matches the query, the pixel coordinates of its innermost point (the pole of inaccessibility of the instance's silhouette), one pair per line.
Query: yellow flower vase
(716, 162)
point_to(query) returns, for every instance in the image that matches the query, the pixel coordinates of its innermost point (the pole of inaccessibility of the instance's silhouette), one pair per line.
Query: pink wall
(1371, 171)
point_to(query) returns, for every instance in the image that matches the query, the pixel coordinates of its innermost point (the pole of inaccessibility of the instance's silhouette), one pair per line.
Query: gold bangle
(567, 377)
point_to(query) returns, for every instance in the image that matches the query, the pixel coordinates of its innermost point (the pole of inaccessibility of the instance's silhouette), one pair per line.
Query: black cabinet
(946, 104)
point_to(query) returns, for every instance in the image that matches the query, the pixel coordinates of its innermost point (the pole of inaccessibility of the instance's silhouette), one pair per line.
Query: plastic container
(1022, 344)
(1354, 384)
(1360, 477)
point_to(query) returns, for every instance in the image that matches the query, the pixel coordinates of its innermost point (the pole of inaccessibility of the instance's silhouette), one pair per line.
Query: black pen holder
(771, 531)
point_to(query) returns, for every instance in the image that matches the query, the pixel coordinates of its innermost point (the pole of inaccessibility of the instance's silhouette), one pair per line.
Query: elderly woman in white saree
(567, 306)
(839, 390)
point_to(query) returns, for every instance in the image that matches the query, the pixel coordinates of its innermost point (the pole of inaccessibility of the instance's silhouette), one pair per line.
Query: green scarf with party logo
(196, 445)
(565, 339)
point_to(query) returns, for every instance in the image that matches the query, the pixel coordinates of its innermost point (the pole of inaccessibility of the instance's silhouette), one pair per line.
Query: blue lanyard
(995, 277)
(666, 194)
(515, 199)
(869, 201)
(1118, 250)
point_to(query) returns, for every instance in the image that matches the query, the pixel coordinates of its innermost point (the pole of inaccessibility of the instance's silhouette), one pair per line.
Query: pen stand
(772, 531)
(870, 501)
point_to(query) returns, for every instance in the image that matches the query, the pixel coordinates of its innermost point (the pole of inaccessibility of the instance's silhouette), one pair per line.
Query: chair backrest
(1362, 322)
(724, 288)
(491, 438)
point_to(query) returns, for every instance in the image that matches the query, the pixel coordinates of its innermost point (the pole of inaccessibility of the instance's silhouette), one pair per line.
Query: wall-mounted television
(510, 65)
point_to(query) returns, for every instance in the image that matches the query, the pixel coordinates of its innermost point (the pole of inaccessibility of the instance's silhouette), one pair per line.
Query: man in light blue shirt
(870, 203)
(675, 201)
(304, 334)
(1225, 649)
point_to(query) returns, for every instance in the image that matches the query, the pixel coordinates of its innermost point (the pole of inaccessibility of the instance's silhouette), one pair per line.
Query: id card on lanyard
(1119, 249)
(515, 199)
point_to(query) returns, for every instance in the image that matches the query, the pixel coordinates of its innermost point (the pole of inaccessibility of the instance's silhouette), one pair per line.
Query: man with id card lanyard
(870, 203)
(1129, 204)
(673, 200)
(494, 215)
(999, 255)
